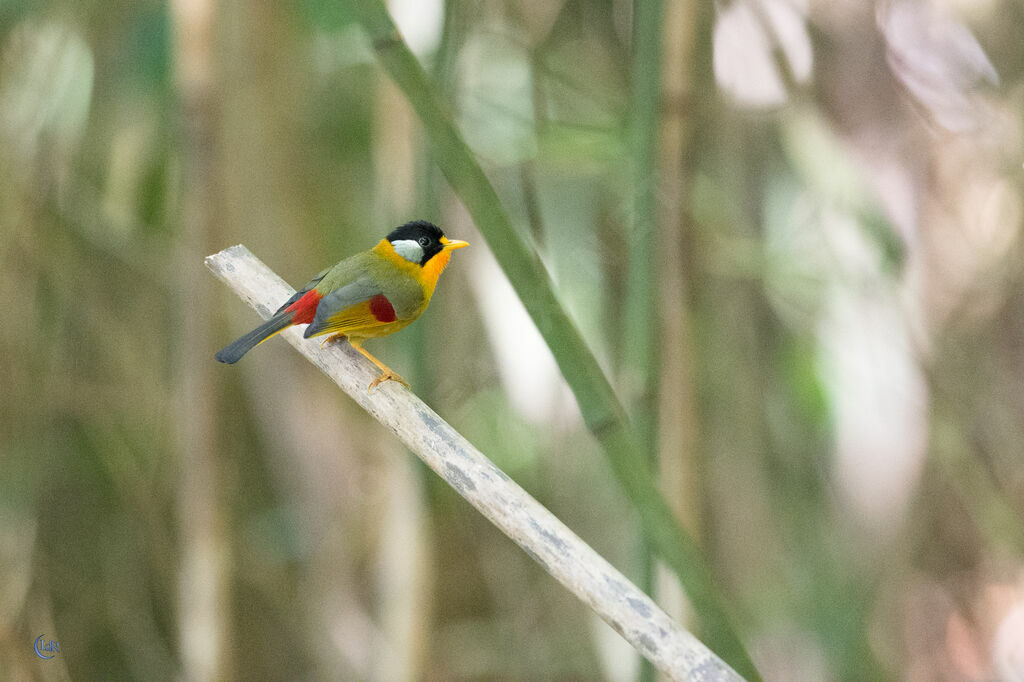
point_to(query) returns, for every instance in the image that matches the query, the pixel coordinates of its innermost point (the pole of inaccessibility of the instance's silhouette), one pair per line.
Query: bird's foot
(387, 375)
(333, 338)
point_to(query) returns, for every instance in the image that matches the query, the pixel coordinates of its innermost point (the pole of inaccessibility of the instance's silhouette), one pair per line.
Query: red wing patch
(305, 307)
(381, 309)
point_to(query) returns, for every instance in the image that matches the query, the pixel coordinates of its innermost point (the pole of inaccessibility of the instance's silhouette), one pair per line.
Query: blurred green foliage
(838, 303)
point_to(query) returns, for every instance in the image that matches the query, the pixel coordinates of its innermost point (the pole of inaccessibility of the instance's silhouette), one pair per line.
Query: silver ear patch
(409, 249)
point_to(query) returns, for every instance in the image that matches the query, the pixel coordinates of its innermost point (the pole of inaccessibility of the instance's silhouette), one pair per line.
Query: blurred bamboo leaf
(581, 149)
(46, 85)
(819, 159)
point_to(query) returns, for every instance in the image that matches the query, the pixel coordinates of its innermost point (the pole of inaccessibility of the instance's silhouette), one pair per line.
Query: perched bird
(370, 294)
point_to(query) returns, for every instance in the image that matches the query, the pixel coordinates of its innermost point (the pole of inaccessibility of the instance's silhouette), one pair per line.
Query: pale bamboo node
(572, 562)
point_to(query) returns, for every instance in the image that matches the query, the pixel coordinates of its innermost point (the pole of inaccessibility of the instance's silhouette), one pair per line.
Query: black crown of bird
(367, 295)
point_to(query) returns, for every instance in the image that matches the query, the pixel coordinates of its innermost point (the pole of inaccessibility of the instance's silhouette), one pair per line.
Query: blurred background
(839, 328)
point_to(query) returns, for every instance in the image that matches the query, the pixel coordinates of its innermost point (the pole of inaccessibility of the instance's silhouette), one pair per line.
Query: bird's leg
(386, 373)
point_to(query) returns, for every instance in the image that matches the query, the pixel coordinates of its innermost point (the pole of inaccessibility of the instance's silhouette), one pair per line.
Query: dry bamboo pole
(547, 540)
(204, 603)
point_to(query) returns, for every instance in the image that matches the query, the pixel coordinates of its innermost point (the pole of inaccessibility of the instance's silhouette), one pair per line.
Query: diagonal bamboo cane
(547, 540)
(602, 412)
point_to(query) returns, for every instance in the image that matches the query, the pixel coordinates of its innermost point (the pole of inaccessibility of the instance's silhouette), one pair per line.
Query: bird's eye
(424, 241)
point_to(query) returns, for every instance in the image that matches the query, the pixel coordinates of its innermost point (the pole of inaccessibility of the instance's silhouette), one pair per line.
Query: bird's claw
(333, 338)
(386, 376)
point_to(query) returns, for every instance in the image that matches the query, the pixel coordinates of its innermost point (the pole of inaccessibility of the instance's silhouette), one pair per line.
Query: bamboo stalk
(204, 603)
(547, 540)
(639, 359)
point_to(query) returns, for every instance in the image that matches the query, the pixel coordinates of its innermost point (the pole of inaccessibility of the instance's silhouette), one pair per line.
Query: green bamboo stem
(640, 316)
(639, 359)
(602, 412)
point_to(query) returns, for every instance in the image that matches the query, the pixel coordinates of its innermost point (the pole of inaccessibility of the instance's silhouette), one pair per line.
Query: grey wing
(363, 289)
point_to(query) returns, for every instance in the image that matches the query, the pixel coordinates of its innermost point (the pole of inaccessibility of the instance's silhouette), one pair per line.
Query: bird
(368, 295)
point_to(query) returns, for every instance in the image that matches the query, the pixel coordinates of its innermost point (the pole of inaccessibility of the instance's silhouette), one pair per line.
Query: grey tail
(233, 352)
